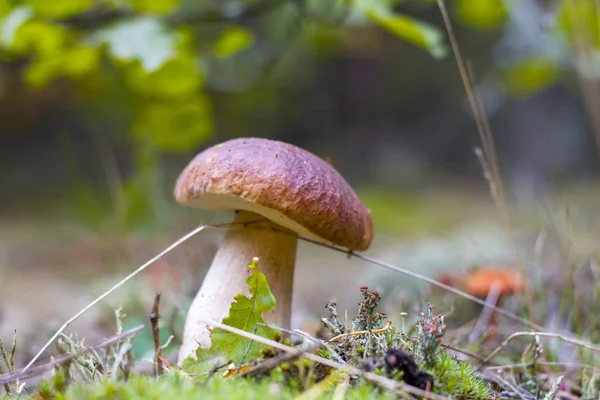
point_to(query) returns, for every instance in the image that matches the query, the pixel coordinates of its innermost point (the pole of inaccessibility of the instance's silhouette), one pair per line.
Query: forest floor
(51, 269)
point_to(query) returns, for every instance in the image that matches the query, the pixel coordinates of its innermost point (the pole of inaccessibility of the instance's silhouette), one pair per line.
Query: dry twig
(508, 386)
(431, 281)
(545, 364)
(515, 335)
(154, 316)
(276, 361)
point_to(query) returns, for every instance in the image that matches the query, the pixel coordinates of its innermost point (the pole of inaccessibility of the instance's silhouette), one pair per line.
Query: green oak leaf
(245, 313)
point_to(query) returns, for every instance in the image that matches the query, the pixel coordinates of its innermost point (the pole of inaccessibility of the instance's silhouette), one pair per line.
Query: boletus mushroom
(278, 191)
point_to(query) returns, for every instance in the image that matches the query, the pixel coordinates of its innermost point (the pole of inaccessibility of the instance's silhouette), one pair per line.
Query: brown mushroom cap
(480, 282)
(286, 184)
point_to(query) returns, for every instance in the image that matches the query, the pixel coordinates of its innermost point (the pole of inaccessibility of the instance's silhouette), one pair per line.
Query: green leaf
(144, 39)
(74, 63)
(39, 37)
(175, 78)
(5, 8)
(12, 22)
(579, 20)
(481, 14)
(232, 40)
(59, 8)
(417, 32)
(245, 313)
(175, 125)
(154, 6)
(530, 76)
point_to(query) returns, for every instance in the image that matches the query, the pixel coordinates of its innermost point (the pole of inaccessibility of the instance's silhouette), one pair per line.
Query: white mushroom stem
(276, 249)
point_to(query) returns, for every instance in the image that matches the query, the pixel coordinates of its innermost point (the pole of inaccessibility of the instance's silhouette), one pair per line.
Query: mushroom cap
(288, 185)
(480, 282)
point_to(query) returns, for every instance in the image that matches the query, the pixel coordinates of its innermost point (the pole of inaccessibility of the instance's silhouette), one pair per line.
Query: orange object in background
(480, 282)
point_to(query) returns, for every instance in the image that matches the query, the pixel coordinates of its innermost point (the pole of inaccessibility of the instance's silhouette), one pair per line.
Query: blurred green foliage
(232, 40)
(172, 56)
(163, 51)
(481, 14)
(530, 76)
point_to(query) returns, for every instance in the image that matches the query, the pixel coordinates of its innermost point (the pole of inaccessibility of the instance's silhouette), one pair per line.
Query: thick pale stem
(276, 249)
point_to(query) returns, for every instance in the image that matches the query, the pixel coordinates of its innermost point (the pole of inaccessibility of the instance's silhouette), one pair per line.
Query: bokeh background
(103, 102)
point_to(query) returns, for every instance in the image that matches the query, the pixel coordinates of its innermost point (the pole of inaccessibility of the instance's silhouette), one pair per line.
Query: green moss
(176, 386)
(457, 379)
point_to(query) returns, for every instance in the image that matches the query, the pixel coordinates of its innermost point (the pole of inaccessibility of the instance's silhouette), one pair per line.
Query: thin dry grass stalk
(515, 335)
(489, 158)
(433, 282)
(274, 362)
(111, 290)
(586, 62)
(545, 364)
(9, 361)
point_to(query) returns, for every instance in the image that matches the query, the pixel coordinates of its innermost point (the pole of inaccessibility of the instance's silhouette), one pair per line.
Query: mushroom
(278, 191)
(503, 281)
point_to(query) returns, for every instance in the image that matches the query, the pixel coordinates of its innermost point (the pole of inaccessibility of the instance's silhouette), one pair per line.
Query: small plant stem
(555, 388)
(387, 326)
(463, 351)
(568, 292)
(154, 317)
(515, 335)
(6, 361)
(119, 359)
